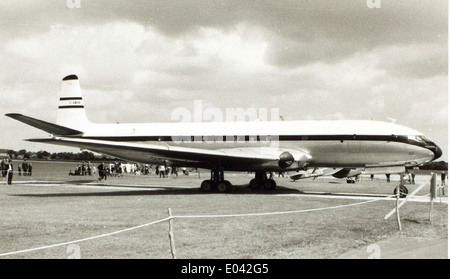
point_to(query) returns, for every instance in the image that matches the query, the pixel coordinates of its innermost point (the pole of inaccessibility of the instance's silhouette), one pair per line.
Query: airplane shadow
(141, 190)
(155, 191)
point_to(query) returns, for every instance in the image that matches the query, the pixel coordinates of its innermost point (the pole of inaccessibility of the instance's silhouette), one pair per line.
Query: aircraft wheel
(229, 185)
(224, 186)
(403, 191)
(207, 186)
(269, 184)
(254, 184)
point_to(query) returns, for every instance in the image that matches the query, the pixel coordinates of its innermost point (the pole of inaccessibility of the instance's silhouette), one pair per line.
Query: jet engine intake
(286, 160)
(293, 160)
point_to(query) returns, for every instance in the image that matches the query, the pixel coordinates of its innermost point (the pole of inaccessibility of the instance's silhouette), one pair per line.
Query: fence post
(397, 203)
(443, 183)
(172, 240)
(432, 194)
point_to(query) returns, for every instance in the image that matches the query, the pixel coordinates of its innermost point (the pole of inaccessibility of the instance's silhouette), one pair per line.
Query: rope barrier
(189, 217)
(84, 239)
(280, 212)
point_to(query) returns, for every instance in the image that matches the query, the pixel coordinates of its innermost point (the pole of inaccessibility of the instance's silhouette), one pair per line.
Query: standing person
(25, 167)
(388, 177)
(4, 167)
(443, 178)
(162, 171)
(9, 174)
(30, 169)
(101, 171)
(175, 171)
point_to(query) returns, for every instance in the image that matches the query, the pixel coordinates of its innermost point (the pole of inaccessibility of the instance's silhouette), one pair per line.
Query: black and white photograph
(238, 131)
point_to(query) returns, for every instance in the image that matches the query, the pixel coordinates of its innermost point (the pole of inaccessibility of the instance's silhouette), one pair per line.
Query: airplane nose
(437, 152)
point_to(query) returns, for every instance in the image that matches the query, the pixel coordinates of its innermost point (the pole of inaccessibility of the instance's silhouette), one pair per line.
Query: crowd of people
(118, 169)
(7, 169)
(83, 169)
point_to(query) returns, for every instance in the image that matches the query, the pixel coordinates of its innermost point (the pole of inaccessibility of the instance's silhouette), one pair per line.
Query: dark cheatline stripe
(260, 138)
(67, 107)
(70, 98)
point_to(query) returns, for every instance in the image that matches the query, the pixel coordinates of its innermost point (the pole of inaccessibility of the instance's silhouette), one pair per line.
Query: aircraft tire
(207, 186)
(254, 184)
(403, 191)
(224, 186)
(269, 184)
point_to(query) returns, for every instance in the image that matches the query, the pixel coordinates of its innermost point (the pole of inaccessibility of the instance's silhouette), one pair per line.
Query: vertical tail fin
(71, 112)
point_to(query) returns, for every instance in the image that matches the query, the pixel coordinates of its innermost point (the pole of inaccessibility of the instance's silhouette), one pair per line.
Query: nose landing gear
(403, 191)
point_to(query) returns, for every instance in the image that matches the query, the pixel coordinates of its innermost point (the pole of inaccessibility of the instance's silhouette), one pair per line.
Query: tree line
(65, 156)
(435, 165)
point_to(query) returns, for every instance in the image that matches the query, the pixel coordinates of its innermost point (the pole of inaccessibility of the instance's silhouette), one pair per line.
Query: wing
(230, 159)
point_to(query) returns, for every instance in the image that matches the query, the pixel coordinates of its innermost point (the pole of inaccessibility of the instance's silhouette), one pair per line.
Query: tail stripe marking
(66, 107)
(70, 98)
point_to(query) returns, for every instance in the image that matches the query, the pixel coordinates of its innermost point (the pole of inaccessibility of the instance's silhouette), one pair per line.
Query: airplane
(260, 147)
(316, 172)
(348, 173)
(351, 174)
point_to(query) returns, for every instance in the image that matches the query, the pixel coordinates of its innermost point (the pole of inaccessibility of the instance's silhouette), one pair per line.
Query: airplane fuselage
(335, 143)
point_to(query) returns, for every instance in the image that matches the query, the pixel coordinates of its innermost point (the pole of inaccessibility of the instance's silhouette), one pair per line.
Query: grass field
(51, 207)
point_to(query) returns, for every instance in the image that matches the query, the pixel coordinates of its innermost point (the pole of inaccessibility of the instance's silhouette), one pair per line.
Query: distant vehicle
(347, 173)
(351, 174)
(313, 173)
(260, 147)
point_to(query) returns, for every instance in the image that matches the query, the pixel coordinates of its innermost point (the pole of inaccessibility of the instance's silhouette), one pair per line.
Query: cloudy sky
(137, 61)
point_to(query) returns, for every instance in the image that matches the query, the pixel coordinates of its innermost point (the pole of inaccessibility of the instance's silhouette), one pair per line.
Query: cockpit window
(422, 140)
(417, 139)
(425, 139)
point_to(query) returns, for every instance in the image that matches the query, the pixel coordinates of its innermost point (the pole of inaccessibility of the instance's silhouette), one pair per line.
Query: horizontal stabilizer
(45, 126)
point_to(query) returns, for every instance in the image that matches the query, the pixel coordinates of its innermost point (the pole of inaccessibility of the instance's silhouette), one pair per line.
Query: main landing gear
(217, 182)
(261, 181)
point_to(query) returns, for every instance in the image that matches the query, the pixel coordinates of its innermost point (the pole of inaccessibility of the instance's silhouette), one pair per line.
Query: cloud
(137, 61)
(420, 60)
